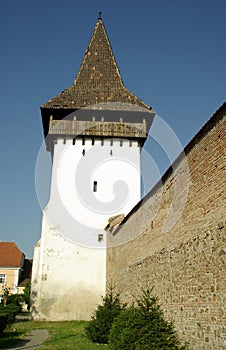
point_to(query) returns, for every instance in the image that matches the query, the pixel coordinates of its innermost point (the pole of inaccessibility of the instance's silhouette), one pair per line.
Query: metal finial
(100, 15)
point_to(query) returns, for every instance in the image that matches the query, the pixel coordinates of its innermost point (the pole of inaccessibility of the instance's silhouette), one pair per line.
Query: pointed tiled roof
(98, 79)
(10, 255)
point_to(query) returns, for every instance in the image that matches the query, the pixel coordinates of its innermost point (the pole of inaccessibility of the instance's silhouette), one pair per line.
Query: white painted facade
(92, 180)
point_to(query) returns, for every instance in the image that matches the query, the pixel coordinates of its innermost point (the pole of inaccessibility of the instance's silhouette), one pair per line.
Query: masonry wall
(175, 240)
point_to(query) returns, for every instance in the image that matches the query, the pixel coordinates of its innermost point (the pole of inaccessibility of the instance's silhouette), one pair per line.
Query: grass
(62, 335)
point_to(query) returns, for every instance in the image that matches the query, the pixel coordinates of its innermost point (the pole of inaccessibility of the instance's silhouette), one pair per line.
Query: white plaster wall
(71, 279)
(69, 272)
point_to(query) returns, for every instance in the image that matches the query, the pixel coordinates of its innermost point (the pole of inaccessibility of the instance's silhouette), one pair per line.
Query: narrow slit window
(94, 186)
(100, 237)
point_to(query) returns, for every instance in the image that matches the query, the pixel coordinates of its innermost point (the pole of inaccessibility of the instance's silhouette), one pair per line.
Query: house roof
(98, 79)
(10, 255)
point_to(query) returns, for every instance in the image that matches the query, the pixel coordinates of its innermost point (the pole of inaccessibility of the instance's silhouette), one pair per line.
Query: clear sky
(171, 54)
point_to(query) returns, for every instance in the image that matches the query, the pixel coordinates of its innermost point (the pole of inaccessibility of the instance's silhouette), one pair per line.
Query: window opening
(100, 237)
(2, 278)
(94, 186)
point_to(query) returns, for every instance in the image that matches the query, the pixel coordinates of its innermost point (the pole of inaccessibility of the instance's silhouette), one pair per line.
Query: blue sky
(171, 54)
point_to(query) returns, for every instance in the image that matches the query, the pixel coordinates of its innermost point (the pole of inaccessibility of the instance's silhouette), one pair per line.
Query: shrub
(98, 329)
(8, 314)
(3, 322)
(14, 299)
(143, 327)
(26, 296)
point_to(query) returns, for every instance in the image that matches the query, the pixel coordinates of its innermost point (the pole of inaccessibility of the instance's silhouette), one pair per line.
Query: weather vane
(100, 15)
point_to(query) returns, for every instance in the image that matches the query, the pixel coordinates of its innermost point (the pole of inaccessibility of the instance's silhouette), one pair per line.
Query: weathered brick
(186, 265)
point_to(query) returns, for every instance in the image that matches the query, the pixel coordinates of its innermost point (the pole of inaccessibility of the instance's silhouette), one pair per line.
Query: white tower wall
(92, 180)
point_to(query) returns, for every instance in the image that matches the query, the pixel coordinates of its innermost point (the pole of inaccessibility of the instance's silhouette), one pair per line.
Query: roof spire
(100, 15)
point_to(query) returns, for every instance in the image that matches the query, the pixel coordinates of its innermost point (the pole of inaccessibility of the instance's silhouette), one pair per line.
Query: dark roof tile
(98, 79)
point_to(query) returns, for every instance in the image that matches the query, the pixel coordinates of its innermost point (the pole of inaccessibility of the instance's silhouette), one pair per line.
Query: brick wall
(175, 240)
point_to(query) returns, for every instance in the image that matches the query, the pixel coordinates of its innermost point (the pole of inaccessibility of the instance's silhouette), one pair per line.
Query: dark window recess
(100, 237)
(93, 142)
(94, 186)
(83, 152)
(83, 141)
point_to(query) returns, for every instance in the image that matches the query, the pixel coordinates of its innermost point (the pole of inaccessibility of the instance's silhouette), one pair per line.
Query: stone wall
(175, 240)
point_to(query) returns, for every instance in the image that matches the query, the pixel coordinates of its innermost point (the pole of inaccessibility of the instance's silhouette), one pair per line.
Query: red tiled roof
(10, 255)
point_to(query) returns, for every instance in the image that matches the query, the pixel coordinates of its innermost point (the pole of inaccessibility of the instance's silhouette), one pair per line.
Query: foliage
(98, 329)
(26, 296)
(14, 299)
(7, 315)
(6, 291)
(143, 327)
(3, 322)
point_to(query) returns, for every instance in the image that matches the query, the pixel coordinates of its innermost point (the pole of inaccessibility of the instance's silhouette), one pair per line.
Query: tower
(95, 130)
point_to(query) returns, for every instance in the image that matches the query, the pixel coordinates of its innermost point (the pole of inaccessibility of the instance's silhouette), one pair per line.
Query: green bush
(98, 329)
(3, 322)
(26, 296)
(14, 299)
(143, 327)
(8, 314)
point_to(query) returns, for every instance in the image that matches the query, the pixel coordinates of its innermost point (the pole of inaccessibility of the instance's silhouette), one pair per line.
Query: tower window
(83, 152)
(94, 186)
(100, 237)
(93, 142)
(83, 141)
